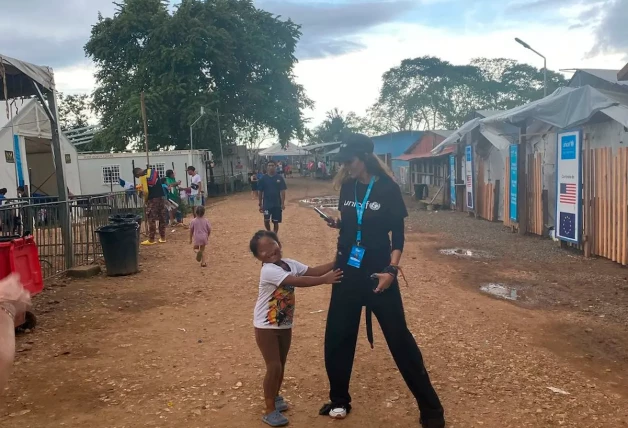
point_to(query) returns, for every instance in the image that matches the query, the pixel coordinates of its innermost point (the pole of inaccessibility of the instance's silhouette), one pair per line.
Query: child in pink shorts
(200, 229)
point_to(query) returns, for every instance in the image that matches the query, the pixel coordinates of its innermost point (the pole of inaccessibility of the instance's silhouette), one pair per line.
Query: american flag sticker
(568, 193)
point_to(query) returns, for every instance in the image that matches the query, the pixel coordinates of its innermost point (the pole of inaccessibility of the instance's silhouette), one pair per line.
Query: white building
(26, 153)
(101, 172)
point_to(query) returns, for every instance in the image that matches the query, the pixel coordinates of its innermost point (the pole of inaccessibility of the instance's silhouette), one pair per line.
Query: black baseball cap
(354, 145)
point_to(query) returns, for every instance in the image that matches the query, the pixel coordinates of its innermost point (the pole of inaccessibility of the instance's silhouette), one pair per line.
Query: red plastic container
(20, 256)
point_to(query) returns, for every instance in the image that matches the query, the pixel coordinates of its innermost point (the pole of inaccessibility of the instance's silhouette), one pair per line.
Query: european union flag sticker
(356, 256)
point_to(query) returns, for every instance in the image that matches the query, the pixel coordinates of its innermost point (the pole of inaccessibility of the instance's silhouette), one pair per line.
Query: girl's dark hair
(199, 211)
(258, 236)
(170, 173)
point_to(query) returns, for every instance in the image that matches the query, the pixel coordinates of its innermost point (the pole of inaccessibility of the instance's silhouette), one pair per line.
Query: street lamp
(527, 46)
(191, 139)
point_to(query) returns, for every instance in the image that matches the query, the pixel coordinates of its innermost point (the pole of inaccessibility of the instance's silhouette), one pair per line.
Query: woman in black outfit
(369, 260)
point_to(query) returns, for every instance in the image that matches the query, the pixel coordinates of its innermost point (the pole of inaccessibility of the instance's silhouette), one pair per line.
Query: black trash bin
(120, 246)
(127, 218)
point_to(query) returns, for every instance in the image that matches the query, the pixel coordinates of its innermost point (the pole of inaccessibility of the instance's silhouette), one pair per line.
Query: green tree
(74, 111)
(335, 125)
(429, 93)
(225, 55)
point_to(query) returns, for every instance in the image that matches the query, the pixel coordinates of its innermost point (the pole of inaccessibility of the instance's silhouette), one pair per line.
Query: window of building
(161, 169)
(110, 174)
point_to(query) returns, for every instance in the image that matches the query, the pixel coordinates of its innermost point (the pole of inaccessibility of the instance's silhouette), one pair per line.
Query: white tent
(25, 139)
(289, 150)
(565, 108)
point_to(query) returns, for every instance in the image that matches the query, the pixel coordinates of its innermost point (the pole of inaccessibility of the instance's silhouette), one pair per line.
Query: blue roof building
(392, 145)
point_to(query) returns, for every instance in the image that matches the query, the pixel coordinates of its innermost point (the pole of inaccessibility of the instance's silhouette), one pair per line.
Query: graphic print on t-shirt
(281, 307)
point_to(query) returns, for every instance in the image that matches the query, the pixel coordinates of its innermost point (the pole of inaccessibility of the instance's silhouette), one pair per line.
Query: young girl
(200, 229)
(274, 313)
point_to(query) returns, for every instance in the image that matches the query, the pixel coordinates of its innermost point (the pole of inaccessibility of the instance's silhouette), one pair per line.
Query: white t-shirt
(196, 179)
(275, 303)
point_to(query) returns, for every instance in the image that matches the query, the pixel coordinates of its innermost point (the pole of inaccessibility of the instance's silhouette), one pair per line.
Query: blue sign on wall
(513, 181)
(452, 178)
(18, 160)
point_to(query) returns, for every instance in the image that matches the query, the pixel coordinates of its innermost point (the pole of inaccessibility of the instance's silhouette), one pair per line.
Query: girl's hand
(333, 276)
(385, 280)
(334, 223)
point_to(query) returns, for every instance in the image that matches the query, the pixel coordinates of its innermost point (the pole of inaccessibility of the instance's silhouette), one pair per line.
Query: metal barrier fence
(234, 183)
(44, 221)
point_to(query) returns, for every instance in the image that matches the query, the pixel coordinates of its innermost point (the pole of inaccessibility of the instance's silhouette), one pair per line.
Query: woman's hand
(334, 223)
(333, 276)
(14, 298)
(385, 280)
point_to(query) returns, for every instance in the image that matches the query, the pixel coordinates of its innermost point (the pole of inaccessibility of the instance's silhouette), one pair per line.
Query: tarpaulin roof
(277, 150)
(412, 156)
(565, 108)
(20, 76)
(318, 146)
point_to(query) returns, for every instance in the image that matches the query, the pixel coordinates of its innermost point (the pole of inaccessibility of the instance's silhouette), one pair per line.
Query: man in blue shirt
(272, 196)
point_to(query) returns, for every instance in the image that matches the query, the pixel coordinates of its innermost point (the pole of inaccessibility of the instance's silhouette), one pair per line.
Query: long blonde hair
(374, 166)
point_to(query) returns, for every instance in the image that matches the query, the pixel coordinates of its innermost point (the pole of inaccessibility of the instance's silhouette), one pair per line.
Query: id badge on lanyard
(357, 251)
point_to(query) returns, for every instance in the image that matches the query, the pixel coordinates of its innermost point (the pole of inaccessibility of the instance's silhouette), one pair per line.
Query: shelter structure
(390, 146)
(25, 140)
(566, 168)
(20, 79)
(428, 172)
(277, 150)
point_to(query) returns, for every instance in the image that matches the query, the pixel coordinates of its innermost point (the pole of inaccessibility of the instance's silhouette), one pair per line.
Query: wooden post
(624, 201)
(496, 201)
(614, 206)
(598, 210)
(522, 189)
(143, 108)
(545, 203)
(605, 206)
(587, 197)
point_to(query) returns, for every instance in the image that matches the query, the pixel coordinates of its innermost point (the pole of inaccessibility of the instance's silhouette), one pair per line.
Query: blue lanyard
(360, 208)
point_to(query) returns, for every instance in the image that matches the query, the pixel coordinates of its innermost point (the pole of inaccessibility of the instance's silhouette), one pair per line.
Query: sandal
(275, 419)
(280, 404)
(203, 264)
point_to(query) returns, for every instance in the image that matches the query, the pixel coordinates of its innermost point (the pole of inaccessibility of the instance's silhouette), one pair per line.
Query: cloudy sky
(348, 44)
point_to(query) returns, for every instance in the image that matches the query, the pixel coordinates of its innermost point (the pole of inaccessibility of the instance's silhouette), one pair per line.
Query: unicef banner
(452, 179)
(468, 157)
(514, 182)
(568, 189)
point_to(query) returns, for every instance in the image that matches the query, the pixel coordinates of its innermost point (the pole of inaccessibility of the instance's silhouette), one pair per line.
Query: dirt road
(173, 346)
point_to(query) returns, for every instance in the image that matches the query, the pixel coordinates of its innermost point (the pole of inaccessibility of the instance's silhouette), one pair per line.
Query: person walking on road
(196, 187)
(274, 313)
(155, 200)
(272, 196)
(200, 229)
(371, 207)
(173, 194)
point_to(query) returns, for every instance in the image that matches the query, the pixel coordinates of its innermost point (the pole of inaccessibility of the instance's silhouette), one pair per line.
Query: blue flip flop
(280, 404)
(275, 419)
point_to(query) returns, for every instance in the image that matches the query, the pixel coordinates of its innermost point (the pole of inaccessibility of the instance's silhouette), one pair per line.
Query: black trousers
(343, 325)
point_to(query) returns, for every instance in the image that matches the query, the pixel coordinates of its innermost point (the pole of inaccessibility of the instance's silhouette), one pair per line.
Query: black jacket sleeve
(398, 234)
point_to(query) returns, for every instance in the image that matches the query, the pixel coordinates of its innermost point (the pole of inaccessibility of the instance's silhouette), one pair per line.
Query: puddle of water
(463, 252)
(322, 202)
(501, 291)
